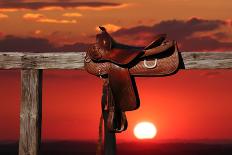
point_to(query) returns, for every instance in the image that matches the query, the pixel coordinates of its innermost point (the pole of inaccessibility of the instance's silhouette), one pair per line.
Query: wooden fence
(33, 64)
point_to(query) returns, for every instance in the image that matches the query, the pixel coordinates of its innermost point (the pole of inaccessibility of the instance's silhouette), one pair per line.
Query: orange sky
(76, 23)
(189, 105)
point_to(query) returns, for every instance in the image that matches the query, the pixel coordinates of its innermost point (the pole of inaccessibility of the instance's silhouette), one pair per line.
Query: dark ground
(88, 148)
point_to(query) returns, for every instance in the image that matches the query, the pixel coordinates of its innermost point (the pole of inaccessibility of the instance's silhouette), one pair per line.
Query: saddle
(118, 64)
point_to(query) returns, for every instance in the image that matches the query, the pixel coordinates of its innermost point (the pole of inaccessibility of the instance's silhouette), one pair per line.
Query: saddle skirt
(120, 63)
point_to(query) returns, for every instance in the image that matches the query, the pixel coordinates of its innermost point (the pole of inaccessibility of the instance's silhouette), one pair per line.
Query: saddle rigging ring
(151, 66)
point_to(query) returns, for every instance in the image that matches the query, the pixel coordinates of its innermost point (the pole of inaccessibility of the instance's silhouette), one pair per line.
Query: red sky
(189, 105)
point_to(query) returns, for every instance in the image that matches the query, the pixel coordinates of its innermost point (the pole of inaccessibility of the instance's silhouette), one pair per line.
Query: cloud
(229, 22)
(205, 44)
(10, 9)
(52, 8)
(100, 8)
(110, 27)
(56, 5)
(40, 18)
(221, 35)
(37, 32)
(3, 16)
(176, 28)
(56, 21)
(33, 16)
(76, 47)
(32, 44)
(194, 34)
(72, 14)
(13, 43)
(1, 34)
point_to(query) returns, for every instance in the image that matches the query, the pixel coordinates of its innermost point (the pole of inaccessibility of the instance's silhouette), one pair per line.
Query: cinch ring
(149, 67)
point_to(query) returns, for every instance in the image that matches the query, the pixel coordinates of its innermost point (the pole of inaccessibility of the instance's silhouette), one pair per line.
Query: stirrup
(114, 125)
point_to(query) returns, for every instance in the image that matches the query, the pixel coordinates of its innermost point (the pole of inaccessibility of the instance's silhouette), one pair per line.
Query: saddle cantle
(119, 63)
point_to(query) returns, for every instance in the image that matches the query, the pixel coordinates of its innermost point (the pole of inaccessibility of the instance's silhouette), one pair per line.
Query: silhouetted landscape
(145, 148)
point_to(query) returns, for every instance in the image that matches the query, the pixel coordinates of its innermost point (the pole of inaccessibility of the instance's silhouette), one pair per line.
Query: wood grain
(207, 60)
(16, 60)
(74, 60)
(30, 112)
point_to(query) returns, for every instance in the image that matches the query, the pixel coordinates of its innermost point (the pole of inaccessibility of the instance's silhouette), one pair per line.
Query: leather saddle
(118, 64)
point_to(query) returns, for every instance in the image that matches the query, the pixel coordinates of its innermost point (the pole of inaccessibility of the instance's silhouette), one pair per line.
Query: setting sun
(145, 130)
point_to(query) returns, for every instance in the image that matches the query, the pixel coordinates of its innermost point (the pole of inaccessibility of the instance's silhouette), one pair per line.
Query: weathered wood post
(30, 112)
(109, 137)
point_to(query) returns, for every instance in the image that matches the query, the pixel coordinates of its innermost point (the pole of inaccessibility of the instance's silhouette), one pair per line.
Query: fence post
(30, 112)
(109, 137)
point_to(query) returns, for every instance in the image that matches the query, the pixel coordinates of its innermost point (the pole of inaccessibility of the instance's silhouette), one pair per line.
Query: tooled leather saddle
(119, 64)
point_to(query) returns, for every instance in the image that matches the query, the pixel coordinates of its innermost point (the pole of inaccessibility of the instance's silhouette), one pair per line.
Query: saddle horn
(102, 28)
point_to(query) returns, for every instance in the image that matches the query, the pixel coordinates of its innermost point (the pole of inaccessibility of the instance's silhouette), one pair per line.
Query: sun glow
(145, 130)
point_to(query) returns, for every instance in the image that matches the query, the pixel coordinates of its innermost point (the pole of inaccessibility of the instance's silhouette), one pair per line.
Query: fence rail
(32, 66)
(74, 60)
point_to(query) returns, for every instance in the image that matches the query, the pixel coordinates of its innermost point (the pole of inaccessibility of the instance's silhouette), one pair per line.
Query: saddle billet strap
(116, 121)
(123, 89)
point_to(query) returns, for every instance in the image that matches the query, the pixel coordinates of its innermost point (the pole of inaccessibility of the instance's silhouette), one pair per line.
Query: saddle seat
(106, 49)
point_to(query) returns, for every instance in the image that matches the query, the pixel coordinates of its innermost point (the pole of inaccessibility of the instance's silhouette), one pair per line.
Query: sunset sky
(189, 105)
